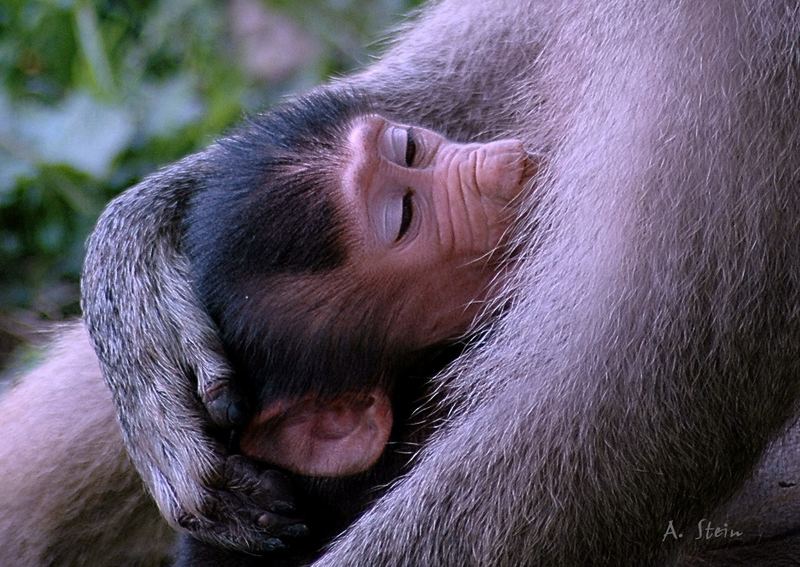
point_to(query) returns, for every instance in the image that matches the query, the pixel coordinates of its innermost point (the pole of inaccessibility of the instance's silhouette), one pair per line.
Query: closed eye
(408, 215)
(411, 147)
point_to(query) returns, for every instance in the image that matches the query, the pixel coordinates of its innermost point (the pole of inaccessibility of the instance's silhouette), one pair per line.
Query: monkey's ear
(315, 437)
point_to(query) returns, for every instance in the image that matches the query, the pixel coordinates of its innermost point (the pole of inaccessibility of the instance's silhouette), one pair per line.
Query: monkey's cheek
(335, 438)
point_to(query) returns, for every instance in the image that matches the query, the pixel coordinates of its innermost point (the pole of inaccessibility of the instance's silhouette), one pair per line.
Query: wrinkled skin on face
(424, 216)
(429, 212)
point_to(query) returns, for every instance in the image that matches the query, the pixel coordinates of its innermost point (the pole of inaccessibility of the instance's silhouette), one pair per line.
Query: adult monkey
(652, 348)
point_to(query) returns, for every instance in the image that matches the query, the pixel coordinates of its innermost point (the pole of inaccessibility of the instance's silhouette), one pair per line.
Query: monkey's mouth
(321, 437)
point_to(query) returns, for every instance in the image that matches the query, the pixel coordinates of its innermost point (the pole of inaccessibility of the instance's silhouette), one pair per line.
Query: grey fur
(652, 350)
(653, 345)
(69, 496)
(161, 368)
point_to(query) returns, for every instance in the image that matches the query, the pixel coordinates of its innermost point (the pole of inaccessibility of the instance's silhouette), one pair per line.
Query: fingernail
(274, 544)
(282, 507)
(297, 530)
(236, 413)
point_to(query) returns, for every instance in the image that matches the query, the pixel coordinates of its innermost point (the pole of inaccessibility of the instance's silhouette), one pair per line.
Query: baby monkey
(343, 257)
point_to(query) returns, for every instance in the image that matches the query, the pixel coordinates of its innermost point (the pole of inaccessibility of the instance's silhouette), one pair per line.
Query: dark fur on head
(273, 173)
(265, 232)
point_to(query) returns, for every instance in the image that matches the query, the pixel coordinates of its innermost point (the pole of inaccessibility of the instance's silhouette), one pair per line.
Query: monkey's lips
(324, 438)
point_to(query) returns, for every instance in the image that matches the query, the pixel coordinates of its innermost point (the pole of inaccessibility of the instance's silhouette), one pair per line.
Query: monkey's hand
(220, 499)
(243, 485)
(161, 356)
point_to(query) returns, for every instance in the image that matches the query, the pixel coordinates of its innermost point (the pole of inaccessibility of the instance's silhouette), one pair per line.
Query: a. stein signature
(705, 531)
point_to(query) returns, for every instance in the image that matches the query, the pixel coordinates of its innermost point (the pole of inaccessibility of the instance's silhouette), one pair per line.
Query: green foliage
(95, 95)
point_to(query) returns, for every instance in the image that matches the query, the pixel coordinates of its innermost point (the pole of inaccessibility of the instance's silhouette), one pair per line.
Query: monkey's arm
(162, 368)
(69, 495)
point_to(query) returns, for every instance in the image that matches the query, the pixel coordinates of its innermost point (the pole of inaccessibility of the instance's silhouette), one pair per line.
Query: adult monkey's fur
(68, 493)
(653, 346)
(70, 496)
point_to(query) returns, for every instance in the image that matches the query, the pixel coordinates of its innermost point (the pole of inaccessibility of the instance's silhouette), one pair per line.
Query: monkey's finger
(264, 532)
(282, 527)
(271, 491)
(225, 405)
(283, 508)
(253, 540)
(268, 488)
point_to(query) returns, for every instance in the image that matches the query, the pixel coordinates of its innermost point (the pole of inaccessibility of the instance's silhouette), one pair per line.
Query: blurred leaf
(79, 132)
(169, 105)
(15, 162)
(91, 43)
(11, 170)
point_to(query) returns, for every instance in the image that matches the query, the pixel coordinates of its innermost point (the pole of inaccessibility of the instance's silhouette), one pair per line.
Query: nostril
(531, 167)
(502, 169)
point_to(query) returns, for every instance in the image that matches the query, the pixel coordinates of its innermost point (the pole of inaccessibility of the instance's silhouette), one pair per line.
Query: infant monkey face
(412, 188)
(421, 216)
(429, 212)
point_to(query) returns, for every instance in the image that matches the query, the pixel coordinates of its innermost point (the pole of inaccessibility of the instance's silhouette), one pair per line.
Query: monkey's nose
(502, 169)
